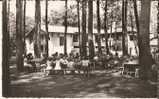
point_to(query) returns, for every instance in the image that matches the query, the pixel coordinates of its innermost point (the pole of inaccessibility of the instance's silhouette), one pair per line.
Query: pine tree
(65, 35)
(24, 23)
(124, 28)
(79, 25)
(158, 24)
(84, 35)
(137, 21)
(90, 29)
(105, 27)
(19, 36)
(46, 27)
(5, 51)
(145, 58)
(98, 27)
(37, 43)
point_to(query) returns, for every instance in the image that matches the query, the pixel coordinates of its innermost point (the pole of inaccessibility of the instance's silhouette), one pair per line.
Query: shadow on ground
(109, 85)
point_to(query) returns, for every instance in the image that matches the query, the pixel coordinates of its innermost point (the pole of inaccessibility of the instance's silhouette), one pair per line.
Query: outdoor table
(130, 67)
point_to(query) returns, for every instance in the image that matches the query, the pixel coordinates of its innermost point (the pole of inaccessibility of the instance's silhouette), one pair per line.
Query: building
(56, 40)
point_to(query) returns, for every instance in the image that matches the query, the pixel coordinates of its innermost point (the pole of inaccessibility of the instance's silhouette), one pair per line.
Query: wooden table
(130, 68)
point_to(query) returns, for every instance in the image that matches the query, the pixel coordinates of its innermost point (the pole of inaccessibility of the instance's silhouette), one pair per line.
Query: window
(131, 37)
(96, 38)
(42, 47)
(61, 41)
(75, 38)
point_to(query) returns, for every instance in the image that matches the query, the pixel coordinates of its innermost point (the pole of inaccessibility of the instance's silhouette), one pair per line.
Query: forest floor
(101, 84)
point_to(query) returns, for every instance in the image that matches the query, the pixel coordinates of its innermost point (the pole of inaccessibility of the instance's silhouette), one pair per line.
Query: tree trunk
(79, 26)
(24, 23)
(65, 35)
(8, 17)
(137, 22)
(37, 43)
(19, 35)
(144, 56)
(84, 35)
(8, 22)
(158, 24)
(46, 27)
(98, 27)
(105, 27)
(5, 52)
(90, 29)
(124, 29)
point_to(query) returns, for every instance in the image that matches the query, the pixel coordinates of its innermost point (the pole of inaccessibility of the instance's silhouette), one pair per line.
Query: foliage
(57, 18)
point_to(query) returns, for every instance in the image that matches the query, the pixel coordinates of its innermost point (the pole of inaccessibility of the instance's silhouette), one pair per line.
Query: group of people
(59, 62)
(71, 62)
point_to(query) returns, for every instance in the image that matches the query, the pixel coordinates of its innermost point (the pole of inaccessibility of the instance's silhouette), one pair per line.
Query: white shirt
(57, 65)
(85, 62)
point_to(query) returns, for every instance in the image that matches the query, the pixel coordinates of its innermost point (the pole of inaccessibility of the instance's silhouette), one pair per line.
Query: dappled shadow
(97, 85)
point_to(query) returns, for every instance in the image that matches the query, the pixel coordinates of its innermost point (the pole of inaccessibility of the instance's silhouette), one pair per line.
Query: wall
(54, 44)
(29, 47)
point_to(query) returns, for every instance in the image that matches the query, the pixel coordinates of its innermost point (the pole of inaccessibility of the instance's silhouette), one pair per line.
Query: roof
(154, 42)
(30, 33)
(72, 30)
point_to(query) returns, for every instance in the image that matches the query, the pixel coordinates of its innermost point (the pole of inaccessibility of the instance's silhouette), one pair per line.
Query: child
(71, 65)
(57, 64)
(85, 65)
(64, 62)
(27, 65)
(48, 66)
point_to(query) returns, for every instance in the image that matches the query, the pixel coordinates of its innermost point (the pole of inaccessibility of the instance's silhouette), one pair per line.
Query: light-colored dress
(57, 65)
(85, 63)
(71, 65)
(49, 67)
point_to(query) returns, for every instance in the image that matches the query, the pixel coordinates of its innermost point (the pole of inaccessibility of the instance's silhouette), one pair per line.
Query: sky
(52, 5)
(59, 6)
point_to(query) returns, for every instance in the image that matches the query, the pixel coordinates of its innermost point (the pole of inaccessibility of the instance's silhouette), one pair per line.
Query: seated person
(27, 65)
(43, 62)
(29, 61)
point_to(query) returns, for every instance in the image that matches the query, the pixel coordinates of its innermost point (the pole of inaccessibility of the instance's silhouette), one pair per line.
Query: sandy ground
(101, 84)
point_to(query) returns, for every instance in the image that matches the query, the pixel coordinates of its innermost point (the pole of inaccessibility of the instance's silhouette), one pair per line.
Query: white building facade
(56, 40)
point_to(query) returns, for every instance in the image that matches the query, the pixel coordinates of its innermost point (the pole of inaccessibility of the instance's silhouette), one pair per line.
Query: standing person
(85, 66)
(57, 64)
(71, 65)
(43, 64)
(96, 60)
(64, 63)
(48, 66)
(77, 64)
